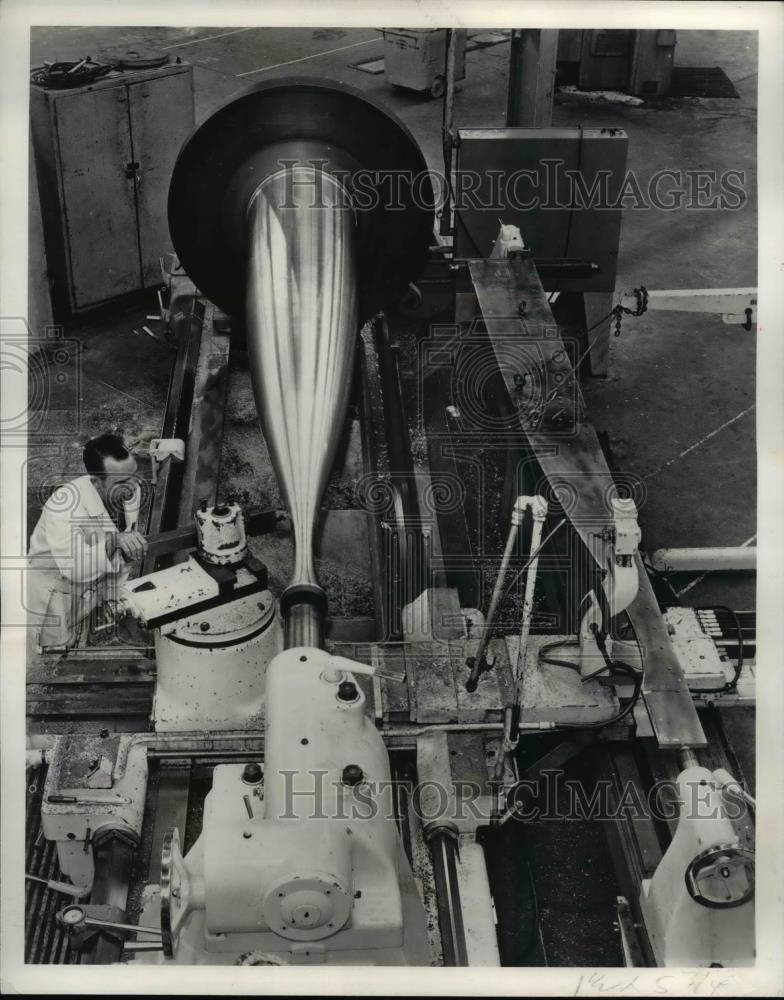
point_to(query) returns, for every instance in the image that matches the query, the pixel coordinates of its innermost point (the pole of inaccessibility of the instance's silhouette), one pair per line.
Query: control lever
(65, 888)
(351, 666)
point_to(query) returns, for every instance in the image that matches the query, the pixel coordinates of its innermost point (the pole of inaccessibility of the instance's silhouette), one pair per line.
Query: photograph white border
(16, 18)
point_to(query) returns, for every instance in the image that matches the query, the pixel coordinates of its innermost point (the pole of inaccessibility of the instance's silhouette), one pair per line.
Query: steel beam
(199, 478)
(717, 559)
(516, 314)
(668, 699)
(187, 321)
(734, 305)
(532, 58)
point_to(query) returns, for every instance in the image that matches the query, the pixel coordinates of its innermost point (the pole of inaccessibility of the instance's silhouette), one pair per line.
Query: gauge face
(352, 135)
(72, 915)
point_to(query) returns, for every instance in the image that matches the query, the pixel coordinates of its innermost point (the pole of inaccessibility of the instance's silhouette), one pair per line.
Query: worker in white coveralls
(79, 557)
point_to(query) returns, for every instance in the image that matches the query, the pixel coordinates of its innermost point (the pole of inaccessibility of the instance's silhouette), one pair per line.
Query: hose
(554, 661)
(614, 665)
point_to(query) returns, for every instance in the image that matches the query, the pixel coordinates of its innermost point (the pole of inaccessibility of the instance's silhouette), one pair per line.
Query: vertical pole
(598, 305)
(539, 511)
(449, 96)
(447, 130)
(532, 59)
(443, 853)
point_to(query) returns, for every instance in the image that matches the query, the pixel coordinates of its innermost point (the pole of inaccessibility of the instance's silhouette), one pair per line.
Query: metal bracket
(632, 949)
(163, 448)
(736, 306)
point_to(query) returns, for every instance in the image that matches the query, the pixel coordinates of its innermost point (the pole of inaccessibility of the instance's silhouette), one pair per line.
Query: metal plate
(562, 220)
(565, 444)
(667, 698)
(99, 203)
(232, 623)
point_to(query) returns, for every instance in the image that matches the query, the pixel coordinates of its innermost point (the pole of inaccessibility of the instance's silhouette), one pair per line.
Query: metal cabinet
(104, 155)
(636, 62)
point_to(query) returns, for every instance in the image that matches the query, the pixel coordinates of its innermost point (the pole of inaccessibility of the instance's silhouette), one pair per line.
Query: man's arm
(78, 547)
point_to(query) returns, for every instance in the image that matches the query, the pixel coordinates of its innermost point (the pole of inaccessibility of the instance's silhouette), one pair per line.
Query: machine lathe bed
(171, 776)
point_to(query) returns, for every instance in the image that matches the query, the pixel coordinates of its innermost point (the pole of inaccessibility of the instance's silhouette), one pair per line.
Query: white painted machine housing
(318, 866)
(682, 931)
(113, 800)
(211, 666)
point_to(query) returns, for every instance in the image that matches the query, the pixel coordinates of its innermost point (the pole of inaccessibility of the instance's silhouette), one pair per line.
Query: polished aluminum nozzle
(261, 222)
(302, 321)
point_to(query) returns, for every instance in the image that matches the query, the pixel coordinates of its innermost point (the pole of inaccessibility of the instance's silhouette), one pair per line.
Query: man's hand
(131, 544)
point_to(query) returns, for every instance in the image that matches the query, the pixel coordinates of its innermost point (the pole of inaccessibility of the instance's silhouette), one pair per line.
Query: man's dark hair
(102, 447)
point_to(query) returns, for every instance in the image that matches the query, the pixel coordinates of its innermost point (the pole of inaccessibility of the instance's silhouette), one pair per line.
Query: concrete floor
(678, 406)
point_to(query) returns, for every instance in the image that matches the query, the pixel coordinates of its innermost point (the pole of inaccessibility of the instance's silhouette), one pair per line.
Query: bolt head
(252, 774)
(352, 775)
(347, 691)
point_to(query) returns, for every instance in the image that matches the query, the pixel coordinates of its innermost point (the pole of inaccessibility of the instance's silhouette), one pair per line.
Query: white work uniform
(69, 572)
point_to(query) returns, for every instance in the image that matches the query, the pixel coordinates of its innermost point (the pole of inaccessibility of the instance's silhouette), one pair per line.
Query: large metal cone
(301, 325)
